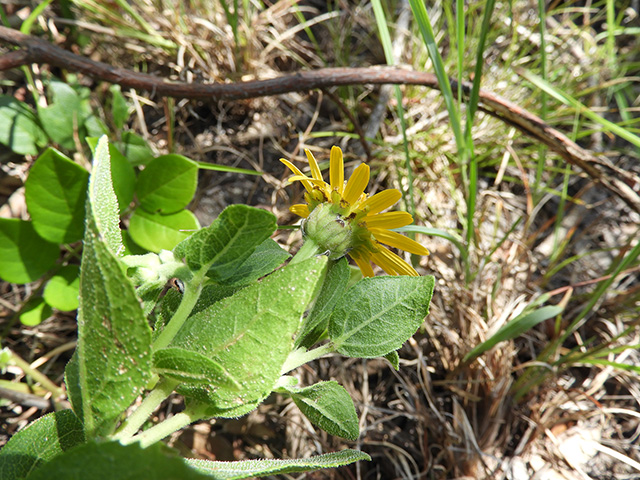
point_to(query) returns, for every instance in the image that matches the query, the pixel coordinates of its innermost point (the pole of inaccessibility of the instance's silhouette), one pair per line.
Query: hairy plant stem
(141, 414)
(301, 356)
(190, 296)
(308, 249)
(170, 425)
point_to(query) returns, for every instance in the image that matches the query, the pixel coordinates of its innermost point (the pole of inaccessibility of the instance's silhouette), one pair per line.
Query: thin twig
(36, 50)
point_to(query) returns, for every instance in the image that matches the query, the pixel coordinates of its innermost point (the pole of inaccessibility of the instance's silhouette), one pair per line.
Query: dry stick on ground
(36, 50)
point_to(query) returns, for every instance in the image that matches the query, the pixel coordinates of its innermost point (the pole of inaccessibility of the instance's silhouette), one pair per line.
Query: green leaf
(191, 367)
(113, 356)
(261, 468)
(328, 406)
(333, 287)
(514, 328)
(102, 207)
(123, 174)
(64, 116)
(24, 255)
(167, 184)
(155, 231)
(19, 128)
(112, 460)
(224, 245)
(135, 149)
(39, 442)
(119, 107)
(394, 359)
(56, 192)
(63, 288)
(265, 259)
(377, 315)
(257, 322)
(35, 312)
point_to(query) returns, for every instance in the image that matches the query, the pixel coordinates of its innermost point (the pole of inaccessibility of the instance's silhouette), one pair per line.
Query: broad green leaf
(333, 287)
(262, 468)
(123, 174)
(257, 322)
(135, 149)
(155, 231)
(103, 205)
(265, 259)
(167, 184)
(64, 116)
(111, 460)
(514, 328)
(19, 128)
(224, 245)
(191, 367)
(63, 288)
(113, 356)
(24, 255)
(328, 406)
(377, 315)
(39, 442)
(35, 312)
(119, 107)
(56, 192)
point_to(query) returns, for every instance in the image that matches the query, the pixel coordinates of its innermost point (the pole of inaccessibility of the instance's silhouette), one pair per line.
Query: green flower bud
(330, 231)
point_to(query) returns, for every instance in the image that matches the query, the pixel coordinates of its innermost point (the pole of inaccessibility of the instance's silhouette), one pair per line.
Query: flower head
(342, 219)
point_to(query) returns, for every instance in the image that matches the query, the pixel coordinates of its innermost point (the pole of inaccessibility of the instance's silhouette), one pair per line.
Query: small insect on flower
(343, 220)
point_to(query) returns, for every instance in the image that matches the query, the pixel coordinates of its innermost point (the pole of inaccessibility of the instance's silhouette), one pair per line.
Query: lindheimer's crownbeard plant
(340, 219)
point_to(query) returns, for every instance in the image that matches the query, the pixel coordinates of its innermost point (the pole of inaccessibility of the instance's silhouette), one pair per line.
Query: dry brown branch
(36, 50)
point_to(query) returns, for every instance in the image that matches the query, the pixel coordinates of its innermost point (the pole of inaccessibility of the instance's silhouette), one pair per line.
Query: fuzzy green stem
(170, 425)
(36, 375)
(308, 249)
(152, 401)
(190, 296)
(301, 356)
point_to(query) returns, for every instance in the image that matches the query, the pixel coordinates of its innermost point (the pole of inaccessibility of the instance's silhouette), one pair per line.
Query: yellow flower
(341, 219)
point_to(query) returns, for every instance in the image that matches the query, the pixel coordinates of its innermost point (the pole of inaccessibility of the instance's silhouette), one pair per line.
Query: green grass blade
(515, 328)
(224, 168)
(568, 100)
(436, 232)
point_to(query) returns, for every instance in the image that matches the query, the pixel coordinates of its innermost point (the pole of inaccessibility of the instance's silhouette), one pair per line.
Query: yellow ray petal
(394, 239)
(304, 178)
(399, 265)
(307, 185)
(382, 200)
(336, 169)
(382, 261)
(357, 183)
(389, 220)
(315, 170)
(300, 210)
(363, 263)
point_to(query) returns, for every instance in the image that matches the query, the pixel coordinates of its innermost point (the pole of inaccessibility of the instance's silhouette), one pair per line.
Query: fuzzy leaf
(19, 128)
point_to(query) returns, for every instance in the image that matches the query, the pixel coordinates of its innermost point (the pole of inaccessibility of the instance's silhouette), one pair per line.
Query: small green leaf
(19, 128)
(394, 359)
(64, 116)
(257, 322)
(191, 367)
(119, 107)
(123, 174)
(63, 288)
(167, 184)
(39, 442)
(112, 363)
(135, 149)
(514, 328)
(112, 460)
(265, 259)
(333, 287)
(155, 231)
(35, 312)
(224, 246)
(377, 315)
(56, 192)
(261, 468)
(24, 255)
(328, 406)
